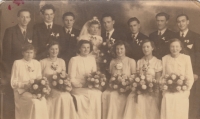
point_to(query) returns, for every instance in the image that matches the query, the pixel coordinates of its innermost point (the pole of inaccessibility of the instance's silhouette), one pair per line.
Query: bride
(91, 31)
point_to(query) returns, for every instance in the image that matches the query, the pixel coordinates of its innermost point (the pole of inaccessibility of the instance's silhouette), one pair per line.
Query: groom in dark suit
(135, 38)
(15, 37)
(162, 36)
(70, 35)
(46, 32)
(191, 44)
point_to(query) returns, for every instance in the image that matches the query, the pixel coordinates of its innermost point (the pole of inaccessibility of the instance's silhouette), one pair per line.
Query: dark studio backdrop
(145, 11)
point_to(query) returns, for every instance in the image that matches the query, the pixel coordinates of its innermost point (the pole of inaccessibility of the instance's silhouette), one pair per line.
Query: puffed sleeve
(133, 66)
(188, 72)
(15, 76)
(63, 65)
(94, 68)
(158, 66)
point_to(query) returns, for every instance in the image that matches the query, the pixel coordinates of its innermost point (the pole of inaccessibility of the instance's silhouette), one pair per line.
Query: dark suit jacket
(161, 43)
(42, 37)
(117, 35)
(192, 39)
(13, 42)
(135, 48)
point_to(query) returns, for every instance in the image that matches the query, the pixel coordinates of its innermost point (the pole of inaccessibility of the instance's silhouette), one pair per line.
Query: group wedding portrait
(103, 59)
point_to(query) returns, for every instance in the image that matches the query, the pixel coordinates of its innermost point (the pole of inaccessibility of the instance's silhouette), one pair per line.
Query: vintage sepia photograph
(106, 59)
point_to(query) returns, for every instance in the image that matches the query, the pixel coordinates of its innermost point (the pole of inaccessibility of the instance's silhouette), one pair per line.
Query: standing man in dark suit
(15, 37)
(162, 36)
(109, 32)
(191, 44)
(46, 32)
(135, 38)
(70, 35)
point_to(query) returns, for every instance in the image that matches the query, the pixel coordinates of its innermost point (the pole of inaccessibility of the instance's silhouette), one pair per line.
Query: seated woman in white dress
(176, 105)
(147, 106)
(60, 104)
(91, 31)
(23, 72)
(113, 102)
(88, 100)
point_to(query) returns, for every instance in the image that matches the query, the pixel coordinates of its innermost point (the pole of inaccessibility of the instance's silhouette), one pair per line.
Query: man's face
(68, 21)
(108, 23)
(161, 22)
(24, 18)
(134, 27)
(182, 23)
(48, 15)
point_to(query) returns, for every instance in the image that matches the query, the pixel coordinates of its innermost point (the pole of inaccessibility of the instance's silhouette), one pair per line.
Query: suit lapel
(20, 37)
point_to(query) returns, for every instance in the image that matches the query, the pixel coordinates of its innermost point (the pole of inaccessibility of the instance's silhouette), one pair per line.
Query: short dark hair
(47, 6)
(120, 42)
(68, 14)
(163, 14)
(151, 42)
(81, 42)
(133, 19)
(52, 43)
(107, 15)
(177, 40)
(182, 15)
(27, 47)
(23, 10)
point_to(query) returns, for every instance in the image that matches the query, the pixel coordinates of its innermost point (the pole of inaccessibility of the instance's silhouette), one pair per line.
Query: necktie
(68, 31)
(24, 34)
(49, 27)
(182, 35)
(159, 33)
(107, 35)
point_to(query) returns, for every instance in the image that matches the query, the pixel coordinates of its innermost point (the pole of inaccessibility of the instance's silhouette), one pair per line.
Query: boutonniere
(57, 35)
(112, 40)
(119, 66)
(54, 66)
(29, 68)
(52, 34)
(72, 35)
(30, 41)
(163, 38)
(187, 41)
(190, 46)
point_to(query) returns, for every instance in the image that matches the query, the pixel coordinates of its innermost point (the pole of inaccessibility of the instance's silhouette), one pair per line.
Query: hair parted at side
(81, 42)
(68, 14)
(182, 15)
(120, 42)
(52, 43)
(107, 15)
(23, 10)
(47, 6)
(133, 19)
(163, 14)
(27, 47)
(148, 41)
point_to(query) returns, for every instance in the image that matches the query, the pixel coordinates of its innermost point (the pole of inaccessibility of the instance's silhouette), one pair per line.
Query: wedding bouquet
(61, 82)
(174, 83)
(39, 88)
(96, 80)
(142, 84)
(120, 83)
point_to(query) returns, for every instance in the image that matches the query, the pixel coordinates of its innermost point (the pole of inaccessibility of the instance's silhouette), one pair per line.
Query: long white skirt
(142, 107)
(88, 103)
(113, 104)
(175, 105)
(28, 108)
(61, 105)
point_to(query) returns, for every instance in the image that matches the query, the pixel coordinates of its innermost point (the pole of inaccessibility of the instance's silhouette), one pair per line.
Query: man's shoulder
(154, 33)
(142, 36)
(11, 28)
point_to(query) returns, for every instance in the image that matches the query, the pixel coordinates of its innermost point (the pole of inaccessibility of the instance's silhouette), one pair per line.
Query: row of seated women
(85, 103)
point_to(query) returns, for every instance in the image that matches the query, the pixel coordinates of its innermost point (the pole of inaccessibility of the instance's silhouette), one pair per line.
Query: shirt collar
(49, 24)
(110, 32)
(66, 29)
(184, 33)
(162, 31)
(135, 34)
(22, 29)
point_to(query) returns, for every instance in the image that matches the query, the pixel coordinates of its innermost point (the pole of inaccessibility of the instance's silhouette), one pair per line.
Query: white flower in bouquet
(132, 76)
(98, 72)
(90, 86)
(122, 80)
(96, 81)
(178, 88)
(166, 76)
(35, 86)
(119, 78)
(92, 79)
(104, 43)
(102, 54)
(130, 79)
(150, 85)
(44, 90)
(62, 74)
(96, 77)
(60, 81)
(134, 85)
(137, 79)
(115, 86)
(184, 88)
(180, 82)
(68, 88)
(96, 85)
(124, 76)
(182, 77)
(105, 61)
(169, 81)
(39, 95)
(165, 87)
(31, 81)
(122, 90)
(113, 79)
(104, 79)
(154, 81)
(103, 83)
(144, 87)
(123, 83)
(55, 77)
(43, 82)
(119, 66)
(142, 82)
(173, 76)
(142, 77)
(54, 83)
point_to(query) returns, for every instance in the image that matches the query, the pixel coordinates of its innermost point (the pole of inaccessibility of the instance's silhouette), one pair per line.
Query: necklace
(54, 66)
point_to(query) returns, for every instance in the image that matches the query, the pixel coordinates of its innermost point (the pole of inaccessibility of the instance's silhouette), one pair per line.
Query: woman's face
(147, 48)
(175, 48)
(28, 55)
(93, 29)
(54, 50)
(84, 49)
(120, 50)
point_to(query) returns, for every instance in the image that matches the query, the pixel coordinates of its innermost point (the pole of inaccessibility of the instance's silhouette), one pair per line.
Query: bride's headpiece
(94, 19)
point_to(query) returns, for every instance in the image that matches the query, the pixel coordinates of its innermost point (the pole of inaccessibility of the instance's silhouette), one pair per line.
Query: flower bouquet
(120, 83)
(174, 83)
(96, 80)
(61, 82)
(39, 88)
